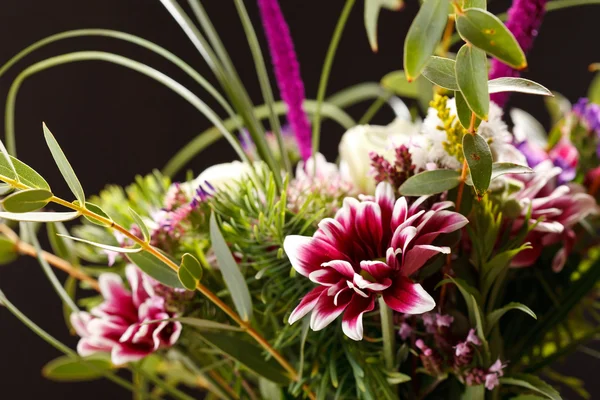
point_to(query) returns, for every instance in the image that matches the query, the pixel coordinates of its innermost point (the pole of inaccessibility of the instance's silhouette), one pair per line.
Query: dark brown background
(114, 123)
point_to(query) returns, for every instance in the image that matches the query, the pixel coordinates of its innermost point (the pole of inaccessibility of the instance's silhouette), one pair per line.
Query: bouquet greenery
(444, 256)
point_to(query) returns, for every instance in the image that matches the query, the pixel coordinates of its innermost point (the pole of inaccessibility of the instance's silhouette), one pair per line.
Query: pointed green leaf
(479, 158)
(63, 165)
(8, 251)
(27, 200)
(372, 9)
(40, 216)
(430, 182)
(158, 270)
(71, 369)
(464, 112)
(467, 291)
(501, 261)
(473, 393)
(238, 289)
(201, 324)
(248, 354)
(474, 4)
(471, 76)
(493, 317)
(190, 263)
(61, 246)
(531, 382)
(7, 159)
(96, 210)
(440, 71)
(140, 223)
(396, 82)
(499, 169)
(424, 35)
(27, 175)
(186, 279)
(484, 30)
(124, 250)
(520, 85)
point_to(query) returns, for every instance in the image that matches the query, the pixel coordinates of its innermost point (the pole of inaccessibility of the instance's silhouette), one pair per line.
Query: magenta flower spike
(287, 72)
(368, 250)
(524, 20)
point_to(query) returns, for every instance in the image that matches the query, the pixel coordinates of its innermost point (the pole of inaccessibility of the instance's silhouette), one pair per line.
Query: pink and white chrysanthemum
(119, 325)
(369, 249)
(557, 208)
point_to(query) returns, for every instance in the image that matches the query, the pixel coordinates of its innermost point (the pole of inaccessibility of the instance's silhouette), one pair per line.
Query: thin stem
(446, 39)
(171, 390)
(388, 333)
(372, 110)
(57, 262)
(335, 40)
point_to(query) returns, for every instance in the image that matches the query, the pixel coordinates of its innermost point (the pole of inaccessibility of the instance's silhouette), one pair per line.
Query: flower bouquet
(445, 255)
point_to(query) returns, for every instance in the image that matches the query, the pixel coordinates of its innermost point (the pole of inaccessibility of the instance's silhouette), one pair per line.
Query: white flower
(359, 141)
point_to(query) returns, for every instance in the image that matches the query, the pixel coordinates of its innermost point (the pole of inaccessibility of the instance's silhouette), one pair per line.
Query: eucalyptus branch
(82, 210)
(57, 262)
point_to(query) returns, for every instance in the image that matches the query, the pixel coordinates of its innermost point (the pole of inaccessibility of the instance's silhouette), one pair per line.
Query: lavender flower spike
(524, 20)
(287, 72)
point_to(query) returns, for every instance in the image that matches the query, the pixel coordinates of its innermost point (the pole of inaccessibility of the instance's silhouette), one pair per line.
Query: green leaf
(27, 175)
(491, 269)
(464, 112)
(8, 251)
(27, 200)
(485, 31)
(474, 4)
(479, 158)
(124, 250)
(202, 324)
(493, 317)
(96, 210)
(440, 71)
(396, 82)
(40, 216)
(269, 390)
(247, 354)
(71, 369)
(157, 269)
(430, 182)
(60, 246)
(558, 107)
(63, 165)
(520, 85)
(424, 35)
(594, 89)
(478, 321)
(140, 223)
(186, 279)
(473, 393)
(190, 263)
(467, 291)
(238, 289)
(501, 168)
(372, 9)
(471, 76)
(9, 163)
(533, 383)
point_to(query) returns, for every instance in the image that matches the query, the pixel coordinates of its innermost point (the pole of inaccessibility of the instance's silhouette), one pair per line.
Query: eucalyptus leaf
(63, 165)
(521, 85)
(186, 279)
(40, 216)
(75, 369)
(424, 35)
(140, 223)
(533, 383)
(440, 71)
(396, 82)
(124, 250)
(8, 161)
(493, 317)
(190, 263)
(234, 280)
(471, 76)
(96, 210)
(157, 269)
(372, 9)
(464, 112)
(27, 175)
(8, 251)
(248, 354)
(499, 169)
(485, 31)
(479, 158)
(27, 200)
(61, 246)
(474, 4)
(430, 182)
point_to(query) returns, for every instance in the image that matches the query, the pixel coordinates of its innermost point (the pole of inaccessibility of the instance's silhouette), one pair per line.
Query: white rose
(359, 141)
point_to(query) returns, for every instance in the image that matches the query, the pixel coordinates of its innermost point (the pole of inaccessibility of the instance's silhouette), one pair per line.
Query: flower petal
(440, 222)
(368, 226)
(325, 276)
(416, 257)
(124, 354)
(306, 254)
(362, 283)
(377, 269)
(352, 323)
(306, 304)
(344, 268)
(326, 310)
(403, 236)
(407, 297)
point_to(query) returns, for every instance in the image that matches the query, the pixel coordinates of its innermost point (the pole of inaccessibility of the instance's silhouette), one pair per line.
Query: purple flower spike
(524, 20)
(287, 72)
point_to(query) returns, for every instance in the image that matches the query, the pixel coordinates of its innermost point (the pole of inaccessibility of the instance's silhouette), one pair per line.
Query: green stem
(171, 390)
(388, 333)
(335, 40)
(372, 110)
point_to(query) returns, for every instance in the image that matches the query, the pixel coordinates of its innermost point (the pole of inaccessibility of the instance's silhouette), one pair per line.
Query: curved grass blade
(40, 216)
(124, 250)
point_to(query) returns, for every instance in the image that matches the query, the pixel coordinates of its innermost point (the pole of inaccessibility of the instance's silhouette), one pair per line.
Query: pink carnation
(368, 250)
(119, 325)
